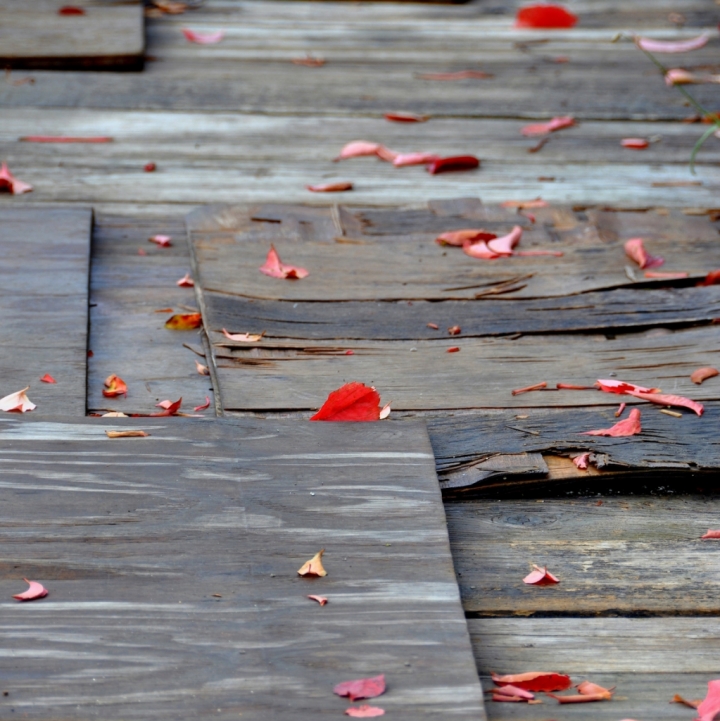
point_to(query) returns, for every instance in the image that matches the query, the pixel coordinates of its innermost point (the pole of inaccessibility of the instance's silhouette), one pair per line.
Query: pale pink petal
(672, 46)
(10, 184)
(635, 249)
(186, 281)
(358, 149)
(36, 590)
(275, 268)
(204, 406)
(582, 461)
(460, 237)
(386, 154)
(635, 143)
(320, 599)
(505, 244)
(629, 427)
(385, 411)
(710, 706)
(17, 402)
(711, 534)
(516, 691)
(403, 159)
(164, 241)
(364, 711)
(531, 253)
(620, 410)
(338, 187)
(479, 250)
(549, 127)
(669, 400)
(201, 369)
(203, 38)
(654, 275)
(678, 76)
(244, 337)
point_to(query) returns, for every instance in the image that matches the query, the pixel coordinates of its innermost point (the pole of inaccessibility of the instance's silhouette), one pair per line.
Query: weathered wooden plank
(44, 257)
(172, 563)
(106, 36)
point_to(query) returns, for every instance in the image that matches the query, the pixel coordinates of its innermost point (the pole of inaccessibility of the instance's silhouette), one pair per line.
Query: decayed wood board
(106, 36)
(172, 563)
(44, 257)
(127, 335)
(627, 555)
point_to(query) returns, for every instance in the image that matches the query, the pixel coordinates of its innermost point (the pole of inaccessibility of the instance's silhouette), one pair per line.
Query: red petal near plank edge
(186, 281)
(505, 244)
(275, 268)
(36, 590)
(712, 278)
(540, 577)
(340, 187)
(457, 162)
(669, 400)
(710, 706)
(702, 374)
(364, 711)
(582, 461)
(17, 402)
(635, 250)
(587, 688)
(672, 46)
(164, 241)
(711, 534)
(351, 402)
(64, 139)
(115, 386)
(187, 321)
(535, 681)
(510, 690)
(459, 75)
(549, 127)
(169, 408)
(580, 698)
(203, 38)
(612, 386)
(47, 378)
(635, 143)
(405, 117)
(468, 235)
(10, 184)
(361, 688)
(71, 10)
(204, 406)
(629, 427)
(404, 159)
(545, 16)
(479, 250)
(320, 599)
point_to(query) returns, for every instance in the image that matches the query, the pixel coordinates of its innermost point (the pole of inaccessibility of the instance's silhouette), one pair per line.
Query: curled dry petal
(186, 321)
(678, 76)
(320, 599)
(406, 117)
(201, 369)
(510, 690)
(479, 250)
(275, 268)
(243, 337)
(203, 38)
(468, 235)
(457, 162)
(505, 244)
(610, 385)
(364, 711)
(545, 16)
(164, 241)
(186, 281)
(351, 402)
(702, 374)
(582, 461)
(403, 159)
(126, 434)
(527, 389)
(314, 567)
(10, 184)
(17, 402)
(339, 187)
(358, 149)
(620, 410)
(669, 400)
(114, 386)
(677, 698)
(204, 406)
(540, 577)
(672, 46)
(169, 408)
(550, 127)
(47, 378)
(654, 275)
(628, 427)
(580, 698)
(455, 330)
(498, 697)
(587, 688)
(459, 75)
(635, 250)
(361, 688)
(635, 143)
(36, 590)
(385, 412)
(523, 204)
(535, 681)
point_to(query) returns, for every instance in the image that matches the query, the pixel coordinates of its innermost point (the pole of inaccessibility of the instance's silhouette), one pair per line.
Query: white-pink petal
(672, 46)
(17, 402)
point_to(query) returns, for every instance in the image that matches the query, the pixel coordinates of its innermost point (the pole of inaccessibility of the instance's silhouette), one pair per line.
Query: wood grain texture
(44, 258)
(134, 537)
(107, 36)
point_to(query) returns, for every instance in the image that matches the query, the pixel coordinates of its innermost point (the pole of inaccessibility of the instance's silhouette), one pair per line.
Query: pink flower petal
(17, 402)
(635, 143)
(582, 461)
(244, 337)
(330, 187)
(364, 711)
(669, 400)
(204, 406)
(460, 237)
(635, 250)
(36, 590)
(186, 281)
(654, 275)
(320, 599)
(10, 184)
(505, 244)
(510, 690)
(672, 46)
(711, 534)
(479, 250)
(274, 268)
(609, 385)
(678, 76)
(203, 38)
(628, 427)
(403, 159)
(361, 688)
(358, 149)
(540, 577)
(550, 127)
(164, 241)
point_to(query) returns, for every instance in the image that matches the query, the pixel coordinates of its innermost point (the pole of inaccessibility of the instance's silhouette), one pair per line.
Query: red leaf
(550, 127)
(527, 389)
(535, 681)
(545, 16)
(17, 402)
(479, 250)
(669, 400)
(666, 275)
(64, 139)
(582, 461)
(169, 408)
(47, 378)
(115, 386)
(339, 187)
(405, 117)
(587, 688)
(635, 250)
(203, 38)
(580, 698)
(468, 235)
(361, 688)
(275, 268)
(635, 143)
(403, 159)
(459, 75)
(712, 278)
(364, 711)
(320, 599)
(204, 406)
(505, 244)
(457, 162)
(672, 46)
(187, 321)
(540, 577)
(702, 374)
(186, 281)
(352, 402)
(510, 690)
(150, 167)
(621, 387)
(71, 10)
(710, 706)
(36, 590)
(10, 184)
(164, 241)
(628, 427)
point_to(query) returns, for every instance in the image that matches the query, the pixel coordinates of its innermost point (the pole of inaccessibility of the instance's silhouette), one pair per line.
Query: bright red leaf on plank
(351, 402)
(405, 117)
(635, 250)
(664, 399)
(579, 698)
(47, 378)
(710, 705)
(65, 139)
(243, 337)
(582, 461)
(712, 278)
(114, 387)
(535, 681)
(320, 599)
(169, 408)
(314, 566)
(540, 577)
(505, 244)
(364, 711)
(203, 38)
(457, 162)
(515, 691)
(17, 402)
(454, 349)
(36, 590)
(550, 127)
(339, 187)
(459, 75)
(204, 406)
(164, 241)
(628, 427)
(361, 688)
(655, 275)
(184, 321)
(635, 143)
(468, 235)
(702, 374)
(186, 281)
(609, 385)
(545, 16)
(672, 46)
(479, 250)
(587, 688)
(275, 268)
(402, 160)
(524, 204)
(10, 184)
(70, 10)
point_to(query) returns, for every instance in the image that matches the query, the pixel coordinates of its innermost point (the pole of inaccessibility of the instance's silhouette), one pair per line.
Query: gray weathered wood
(171, 563)
(44, 257)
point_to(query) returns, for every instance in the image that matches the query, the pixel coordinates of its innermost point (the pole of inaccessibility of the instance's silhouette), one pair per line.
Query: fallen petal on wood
(510, 690)
(587, 688)
(455, 330)
(664, 399)
(184, 321)
(523, 204)
(364, 711)
(468, 235)
(454, 349)
(36, 590)
(169, 408)
(620, 410)
(402, 160)
(114, 414)
(17, 402)
(164, 241)
(628, 427)
(532, 253)
(351, 402)
(635, 250)
(203, 38)
(609, 385)
(10, 184)
(386, 154)
(339, 187)
(500, 698)
(114, 386)
(635, 143)
(701, 374)
(405, 117)
(709, 708)
(314, 567)
(458, 75)
(582, 461)
(579, 698)
(320, 599)
(358, 149)
(672, 46)
(677, 698)
(70, 10)
(186, 281)
(505, 244)
(678, 76)
(385, 411)
(712, 278)
(655, 275)
(540, 577)
(47, 378)
(479, 250)
(550, 127)
(361, 688)
(275, 268)
(452, 164)
(126, 434)
(204, 406)
(243, 337)
(201, 369)
(150, 167)
(535, 681)
(527, 389)
(545, 16)
(573, 387)
(309, 61)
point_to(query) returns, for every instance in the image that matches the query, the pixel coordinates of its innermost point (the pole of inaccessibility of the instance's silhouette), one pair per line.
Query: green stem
(712, 129)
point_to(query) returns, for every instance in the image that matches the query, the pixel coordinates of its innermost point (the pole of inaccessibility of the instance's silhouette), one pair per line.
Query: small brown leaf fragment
(314, 566)
(126, 434)
(702, 374)
(217, 595)
(527, 389)
(454, 330)
(677, 698)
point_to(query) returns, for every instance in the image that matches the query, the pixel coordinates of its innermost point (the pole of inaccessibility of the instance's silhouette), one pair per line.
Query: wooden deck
(238, 124)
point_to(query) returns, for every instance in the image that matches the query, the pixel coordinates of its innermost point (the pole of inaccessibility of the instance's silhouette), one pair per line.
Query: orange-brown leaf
(702, 374)
(314, 566)
(187, 321)
(114, 386)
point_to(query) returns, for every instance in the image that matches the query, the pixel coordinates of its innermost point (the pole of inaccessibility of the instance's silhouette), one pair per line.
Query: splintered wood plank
(35, 35)
(180, 552)
(44, 256)
(127, 334)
